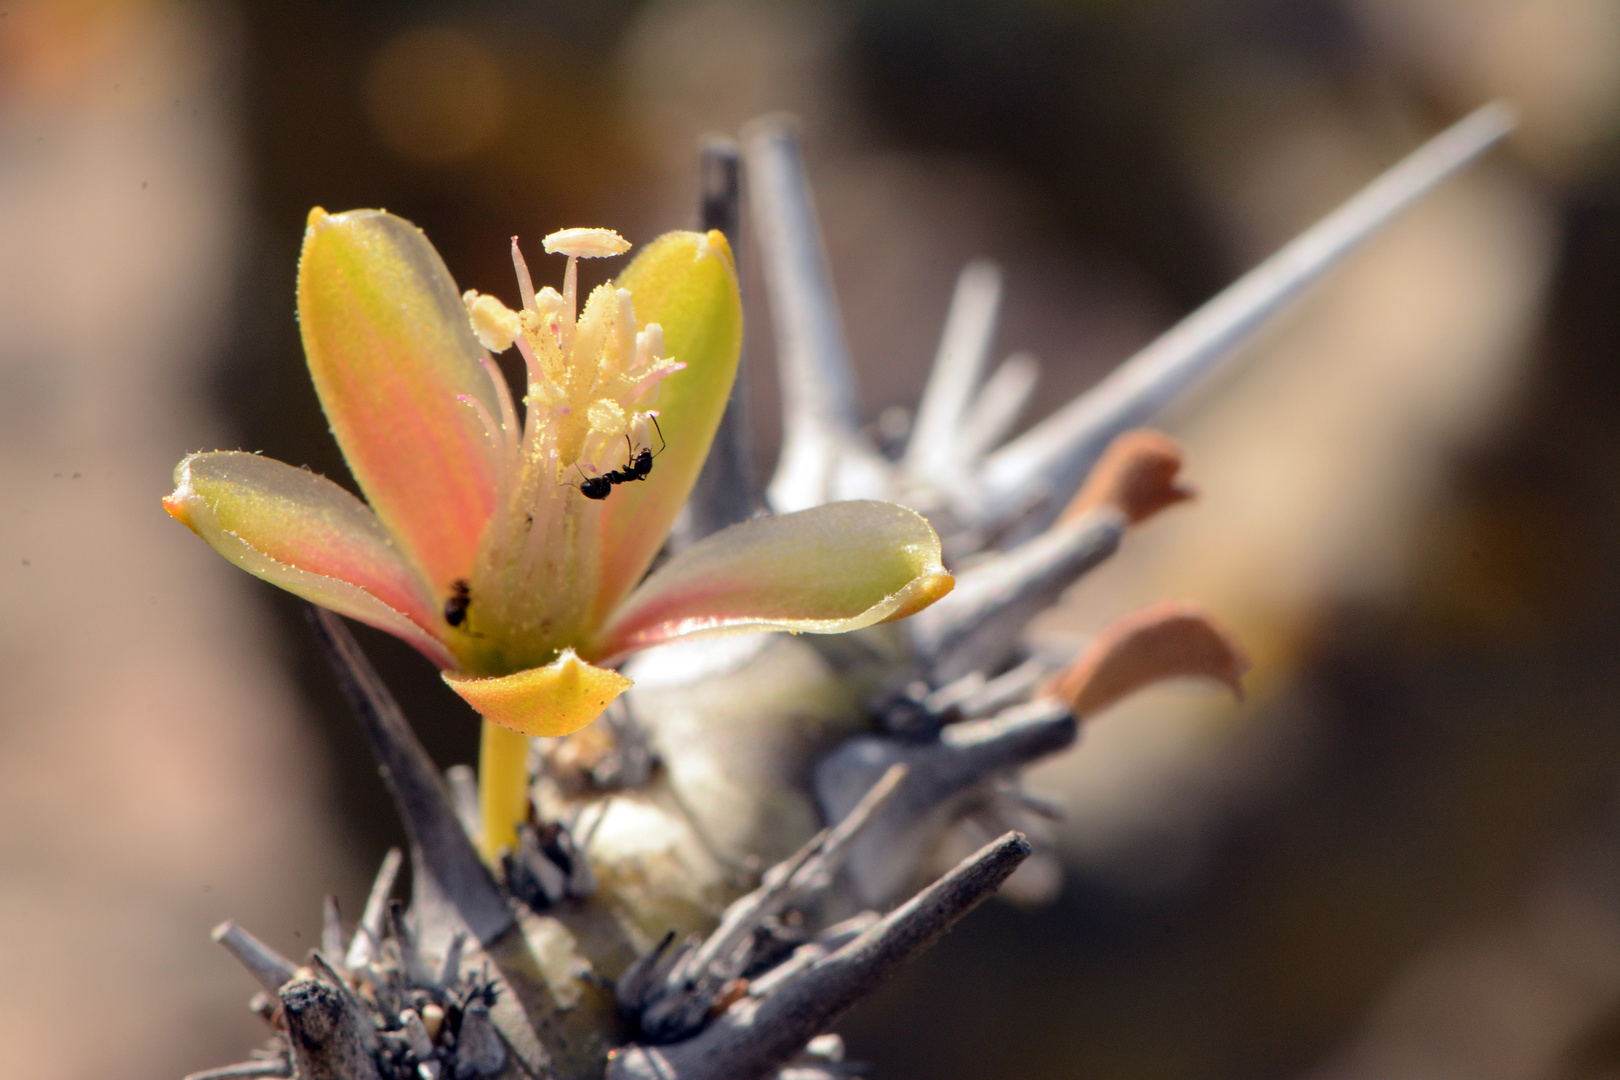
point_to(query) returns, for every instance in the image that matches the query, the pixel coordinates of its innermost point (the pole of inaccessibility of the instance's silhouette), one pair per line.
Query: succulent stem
(503, 789)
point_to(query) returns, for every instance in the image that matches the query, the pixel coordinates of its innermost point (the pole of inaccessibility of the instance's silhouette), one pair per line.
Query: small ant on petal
(455, 608)
(595, 487)
(638, 466)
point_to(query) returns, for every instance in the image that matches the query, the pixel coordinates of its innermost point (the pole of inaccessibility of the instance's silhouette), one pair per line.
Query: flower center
(592, 379)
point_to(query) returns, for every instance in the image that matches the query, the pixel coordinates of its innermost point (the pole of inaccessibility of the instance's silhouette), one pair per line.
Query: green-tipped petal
(304, 533)
(687, 283)
(390, 349)
(824, 571)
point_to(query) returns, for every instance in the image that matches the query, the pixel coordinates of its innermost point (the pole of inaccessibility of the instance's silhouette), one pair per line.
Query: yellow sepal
(557, 699)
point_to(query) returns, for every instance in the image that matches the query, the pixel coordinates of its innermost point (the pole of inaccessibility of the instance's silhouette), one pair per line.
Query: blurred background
(1400, 858)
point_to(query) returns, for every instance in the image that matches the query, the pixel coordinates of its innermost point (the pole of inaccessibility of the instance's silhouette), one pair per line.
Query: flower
(511, 553)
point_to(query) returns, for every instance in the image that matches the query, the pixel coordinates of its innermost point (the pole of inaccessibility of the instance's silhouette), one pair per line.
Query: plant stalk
(503, 789)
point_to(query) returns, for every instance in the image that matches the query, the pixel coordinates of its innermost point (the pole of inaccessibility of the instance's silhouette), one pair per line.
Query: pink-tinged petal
(391, 350)
(687, 283)
(824, 571)
(557, 699)
(304, 533)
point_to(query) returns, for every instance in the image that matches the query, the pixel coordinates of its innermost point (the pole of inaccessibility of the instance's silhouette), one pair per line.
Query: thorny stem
(754, 1038)
(503, 789)
(450, 884)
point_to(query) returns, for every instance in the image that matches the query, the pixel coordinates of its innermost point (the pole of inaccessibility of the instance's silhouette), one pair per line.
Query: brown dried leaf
(1137, 474)
(1167, 640)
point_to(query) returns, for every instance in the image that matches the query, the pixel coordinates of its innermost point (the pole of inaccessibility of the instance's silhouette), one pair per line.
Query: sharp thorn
(244, 1071)
(369, 934)
(823, 454)
(726, 491)
(755, 1038)
(1005, 689)
(332, 937)
(416, 1036)
(964, 349)
(885, 858)
(631, 990)
(411, 959)
(450, 969)
(263, 963)
(997, 407)
(1051, 459)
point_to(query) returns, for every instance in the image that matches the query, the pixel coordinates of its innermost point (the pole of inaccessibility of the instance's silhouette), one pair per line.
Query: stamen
(537, 374)
(565, 331)
(650, 345)
(613, 363)
(548, 303)
(536, 406)
(594, 449)
(503, 399)
(525, 282)
(491, 432)
(580, 244)
(641, 428)
(647, 380)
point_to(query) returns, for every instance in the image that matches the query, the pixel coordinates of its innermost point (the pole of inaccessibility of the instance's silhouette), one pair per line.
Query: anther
(585, 243)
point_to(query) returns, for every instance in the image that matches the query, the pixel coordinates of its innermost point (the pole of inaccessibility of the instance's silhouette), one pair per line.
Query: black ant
(455, 608)
(638, 466)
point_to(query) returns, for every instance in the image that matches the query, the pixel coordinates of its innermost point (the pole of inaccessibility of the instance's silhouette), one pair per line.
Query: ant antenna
(662, 444)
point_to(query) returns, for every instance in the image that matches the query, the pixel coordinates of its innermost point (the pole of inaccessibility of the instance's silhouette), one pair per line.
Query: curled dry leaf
(1137, 474)
(1167, 640)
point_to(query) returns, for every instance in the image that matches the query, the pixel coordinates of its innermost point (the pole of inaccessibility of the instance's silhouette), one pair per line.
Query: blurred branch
(726, 491)
(1049, 461)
